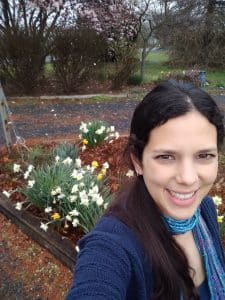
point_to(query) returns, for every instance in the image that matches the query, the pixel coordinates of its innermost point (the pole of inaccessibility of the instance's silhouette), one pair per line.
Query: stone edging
(62, 248)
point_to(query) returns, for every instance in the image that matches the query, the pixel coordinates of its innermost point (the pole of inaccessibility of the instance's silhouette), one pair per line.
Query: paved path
(53, 119)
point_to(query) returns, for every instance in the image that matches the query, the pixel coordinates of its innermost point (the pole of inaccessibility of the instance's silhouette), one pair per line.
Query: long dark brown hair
(171, 272)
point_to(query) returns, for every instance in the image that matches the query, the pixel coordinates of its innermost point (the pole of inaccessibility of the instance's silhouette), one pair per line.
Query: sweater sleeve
(102, 271)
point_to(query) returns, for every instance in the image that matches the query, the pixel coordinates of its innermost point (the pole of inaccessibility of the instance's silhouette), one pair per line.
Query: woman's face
(179, 164)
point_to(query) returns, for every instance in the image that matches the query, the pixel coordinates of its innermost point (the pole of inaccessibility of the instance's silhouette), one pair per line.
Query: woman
(159, 239)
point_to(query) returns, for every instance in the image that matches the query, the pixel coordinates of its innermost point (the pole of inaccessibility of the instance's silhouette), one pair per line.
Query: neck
(181, 226)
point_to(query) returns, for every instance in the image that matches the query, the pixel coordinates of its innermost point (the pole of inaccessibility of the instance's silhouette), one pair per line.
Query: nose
(187, 173)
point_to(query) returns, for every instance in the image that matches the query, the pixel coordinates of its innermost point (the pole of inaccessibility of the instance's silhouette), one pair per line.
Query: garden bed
(62, 242)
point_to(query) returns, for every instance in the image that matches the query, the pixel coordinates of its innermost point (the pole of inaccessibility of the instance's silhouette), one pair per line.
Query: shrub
(135, 79)
(125, 65)
(21, 58)
(76, 52)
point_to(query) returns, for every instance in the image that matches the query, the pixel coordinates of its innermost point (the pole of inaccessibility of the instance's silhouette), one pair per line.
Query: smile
(182, 196)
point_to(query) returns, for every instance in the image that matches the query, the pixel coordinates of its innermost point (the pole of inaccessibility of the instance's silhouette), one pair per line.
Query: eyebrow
(168, 151)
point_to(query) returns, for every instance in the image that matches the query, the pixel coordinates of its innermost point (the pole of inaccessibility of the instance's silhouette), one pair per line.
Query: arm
(102, 271)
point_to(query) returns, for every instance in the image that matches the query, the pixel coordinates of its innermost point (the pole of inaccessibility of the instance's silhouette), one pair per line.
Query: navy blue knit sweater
(111, 263)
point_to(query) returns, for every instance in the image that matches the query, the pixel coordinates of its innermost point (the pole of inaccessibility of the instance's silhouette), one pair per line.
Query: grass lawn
(156, 68)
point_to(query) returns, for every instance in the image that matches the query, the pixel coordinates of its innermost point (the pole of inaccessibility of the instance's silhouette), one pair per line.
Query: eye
(206, 156)
(165, 157)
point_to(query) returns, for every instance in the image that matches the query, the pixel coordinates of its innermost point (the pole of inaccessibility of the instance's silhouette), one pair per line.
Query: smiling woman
(159, 238)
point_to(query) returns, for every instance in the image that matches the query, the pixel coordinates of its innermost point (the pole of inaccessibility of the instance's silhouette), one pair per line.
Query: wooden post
(4, 118)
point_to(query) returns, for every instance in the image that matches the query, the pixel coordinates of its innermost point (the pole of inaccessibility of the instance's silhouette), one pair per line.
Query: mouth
(182, 198)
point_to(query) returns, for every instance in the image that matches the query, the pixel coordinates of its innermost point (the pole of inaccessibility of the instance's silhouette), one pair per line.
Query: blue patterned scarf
(215, 272)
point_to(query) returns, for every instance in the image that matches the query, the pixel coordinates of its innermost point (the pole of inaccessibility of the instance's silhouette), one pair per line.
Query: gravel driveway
(62, 118)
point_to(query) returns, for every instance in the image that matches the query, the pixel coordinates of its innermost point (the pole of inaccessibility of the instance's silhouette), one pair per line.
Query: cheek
(209, 176)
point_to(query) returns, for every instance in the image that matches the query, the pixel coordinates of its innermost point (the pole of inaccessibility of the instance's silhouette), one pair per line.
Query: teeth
(182, 196)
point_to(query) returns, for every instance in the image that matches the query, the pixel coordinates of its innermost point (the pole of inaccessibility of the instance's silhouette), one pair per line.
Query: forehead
(189, 130)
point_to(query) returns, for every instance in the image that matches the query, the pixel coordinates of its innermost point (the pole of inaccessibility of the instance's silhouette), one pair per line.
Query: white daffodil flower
(68, 161)
(105, 165)
(7, 194)
(78, 162)
(217, 200)
(74, 174)
(30, 168)
(72, 198)
(68, 218)
(57, 158)
(79, 176)
(74, 212)
(26, 174)
(31, 183)
(18, 206)
(130, 173)
(48, 209)
(44, 226)
(75, 222)
(74, 188)
(16, 168)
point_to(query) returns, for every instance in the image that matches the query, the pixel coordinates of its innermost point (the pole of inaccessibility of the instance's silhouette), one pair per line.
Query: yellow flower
(103, 171)
(220, 219)
(56, 216)
(85, 141)
(94, 164)
(100, 176)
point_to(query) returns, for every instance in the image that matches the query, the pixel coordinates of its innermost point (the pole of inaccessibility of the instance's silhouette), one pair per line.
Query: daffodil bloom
(74, 212)
(74, 188)
(26, 174)
(7, 194)
(69, 218)
(68, 161)
(16, 168)
(30, 168)
(105, 165)
(103, 171)
(44, 226)
(31, 183)
(57, 158)
(78, 162)
(130, 173)
(75, 222)
(19, 205)
(55, 216)
(220, 219)
(99, 176)
(94, 164)
(48, 209)
(217, 200)
(85, 141)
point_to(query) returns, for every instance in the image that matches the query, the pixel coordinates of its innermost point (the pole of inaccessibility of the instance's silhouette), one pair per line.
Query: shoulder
(111, 231)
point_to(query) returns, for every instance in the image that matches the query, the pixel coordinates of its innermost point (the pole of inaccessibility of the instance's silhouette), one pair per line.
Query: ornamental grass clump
(69, 194)
(95, 132)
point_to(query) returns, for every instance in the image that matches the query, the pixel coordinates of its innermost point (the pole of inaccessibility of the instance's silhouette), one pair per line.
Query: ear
(136, 164)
